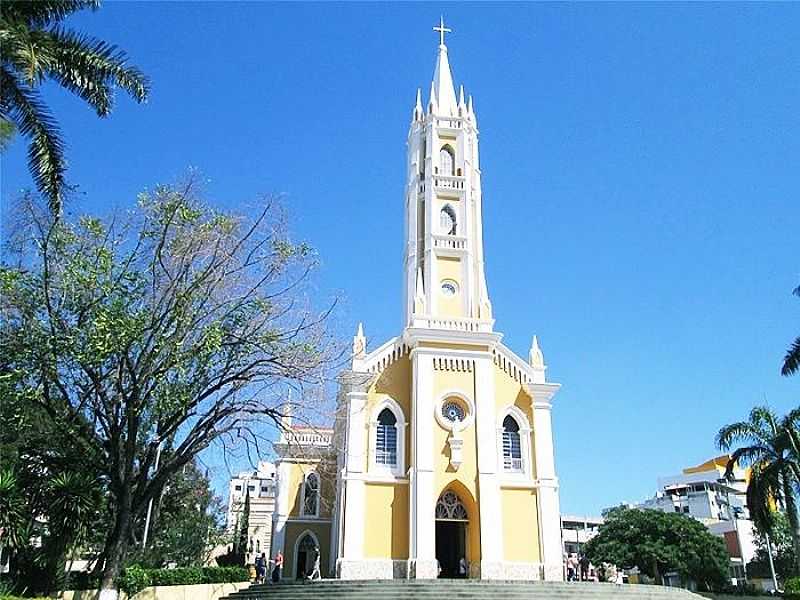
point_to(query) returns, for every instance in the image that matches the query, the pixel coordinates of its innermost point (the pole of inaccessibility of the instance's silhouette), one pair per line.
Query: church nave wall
(520, 525)
(386, 525)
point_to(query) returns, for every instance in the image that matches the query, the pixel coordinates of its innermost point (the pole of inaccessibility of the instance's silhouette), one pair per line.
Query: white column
(281, 513)
(356, 386)
(422, 518)
(549, 508)
(488, 488)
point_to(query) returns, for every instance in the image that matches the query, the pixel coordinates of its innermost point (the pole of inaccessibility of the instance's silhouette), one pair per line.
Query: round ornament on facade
(449, 288)
(453, 411)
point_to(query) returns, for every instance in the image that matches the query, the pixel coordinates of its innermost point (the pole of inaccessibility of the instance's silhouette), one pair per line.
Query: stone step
(336, 589)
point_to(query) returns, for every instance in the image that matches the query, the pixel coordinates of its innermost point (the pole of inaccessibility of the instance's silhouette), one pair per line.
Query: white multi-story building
(720, 503)
(577, 530)
(260, 485)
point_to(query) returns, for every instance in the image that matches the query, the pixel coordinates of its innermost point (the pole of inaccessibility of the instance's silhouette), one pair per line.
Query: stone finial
(535, 356)
(418, 112)
(359, 343)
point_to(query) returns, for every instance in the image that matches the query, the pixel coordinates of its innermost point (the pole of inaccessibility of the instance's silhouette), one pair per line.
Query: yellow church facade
(440, 462)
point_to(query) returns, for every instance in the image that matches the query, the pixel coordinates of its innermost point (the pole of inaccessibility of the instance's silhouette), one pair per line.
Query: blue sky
(641, 172)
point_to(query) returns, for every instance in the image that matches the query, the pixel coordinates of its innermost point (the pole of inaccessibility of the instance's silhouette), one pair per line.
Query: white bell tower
(444, 273)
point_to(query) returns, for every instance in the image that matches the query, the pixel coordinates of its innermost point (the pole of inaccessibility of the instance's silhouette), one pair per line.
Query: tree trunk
(116, 548)
(794, 524)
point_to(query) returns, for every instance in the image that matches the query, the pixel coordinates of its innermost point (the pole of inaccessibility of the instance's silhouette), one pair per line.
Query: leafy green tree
(13, 512)
(783, 558)
(770, 446)
(177, 322)
(658, 543)
(36, 47)
(791, 362)
(186, 524)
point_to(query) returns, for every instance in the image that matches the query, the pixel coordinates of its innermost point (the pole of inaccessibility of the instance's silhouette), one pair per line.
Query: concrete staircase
(337, 589)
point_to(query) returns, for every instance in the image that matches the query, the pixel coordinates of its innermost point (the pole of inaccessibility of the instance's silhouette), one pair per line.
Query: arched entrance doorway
(305, 554)
(451, 534)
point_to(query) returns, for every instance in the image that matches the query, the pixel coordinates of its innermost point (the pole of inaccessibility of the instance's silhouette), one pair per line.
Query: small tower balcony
(449, 183)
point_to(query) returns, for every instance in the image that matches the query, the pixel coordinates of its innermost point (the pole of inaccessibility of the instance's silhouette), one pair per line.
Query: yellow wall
(386, 521)
(520, 525)
(293, 532)
(449, 306)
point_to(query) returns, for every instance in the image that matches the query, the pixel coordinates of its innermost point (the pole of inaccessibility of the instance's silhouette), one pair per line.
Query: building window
(512, 447)
(387, 435)
(514, 444)
(386, 439)
(310, 496)
(447, 220)
(447, 161)
(238, 488)
(450, 508)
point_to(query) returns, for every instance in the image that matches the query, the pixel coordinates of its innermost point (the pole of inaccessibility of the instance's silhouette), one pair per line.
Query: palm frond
(791, 362)
(747, 456)
(763, 491)
(796, 291)
(22, 105)
(89, 67)
(736, 433)
(40, 13)
(764, 419)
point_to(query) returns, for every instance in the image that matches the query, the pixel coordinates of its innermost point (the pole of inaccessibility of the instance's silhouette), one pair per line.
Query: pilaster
(422, 547)
(489, 490)
(354, 390)
(549, 509)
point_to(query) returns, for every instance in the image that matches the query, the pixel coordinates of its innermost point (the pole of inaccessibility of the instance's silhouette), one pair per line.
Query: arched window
(387, 429)
(450, 508)
(447, 161)
(512, 449)
(310, 506)
(386, 439)
(447, 220)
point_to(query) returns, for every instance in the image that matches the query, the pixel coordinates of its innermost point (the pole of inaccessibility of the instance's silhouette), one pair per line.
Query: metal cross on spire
(442, 30)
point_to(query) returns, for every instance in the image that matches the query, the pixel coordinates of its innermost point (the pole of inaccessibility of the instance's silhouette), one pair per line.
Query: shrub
(135, 578)
(791, 588)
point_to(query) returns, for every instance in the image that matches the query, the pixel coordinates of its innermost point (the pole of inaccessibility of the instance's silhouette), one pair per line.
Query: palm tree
(791, 362)
(771, 448)
(34, 47)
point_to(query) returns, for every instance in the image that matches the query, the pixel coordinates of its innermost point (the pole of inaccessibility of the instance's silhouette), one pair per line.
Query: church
(440, 462)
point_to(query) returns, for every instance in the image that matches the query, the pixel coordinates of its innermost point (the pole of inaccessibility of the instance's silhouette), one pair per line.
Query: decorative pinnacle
(359, 343)
(535, 357)
(442, 30)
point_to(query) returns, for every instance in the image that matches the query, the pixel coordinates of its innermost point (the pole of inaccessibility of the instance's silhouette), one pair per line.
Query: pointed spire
(359, 343)
(535, 356)
(462, 107)
(432, 104)
(418, 112)
(443, 84)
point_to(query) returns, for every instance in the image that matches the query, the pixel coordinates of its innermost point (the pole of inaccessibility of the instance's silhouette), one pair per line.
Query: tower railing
(450, 242)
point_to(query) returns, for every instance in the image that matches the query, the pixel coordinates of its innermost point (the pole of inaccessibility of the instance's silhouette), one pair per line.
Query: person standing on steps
(462, 568)
(572, 568)
(315, 573)
(584, 564)
(261, 568)
(276, 570)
